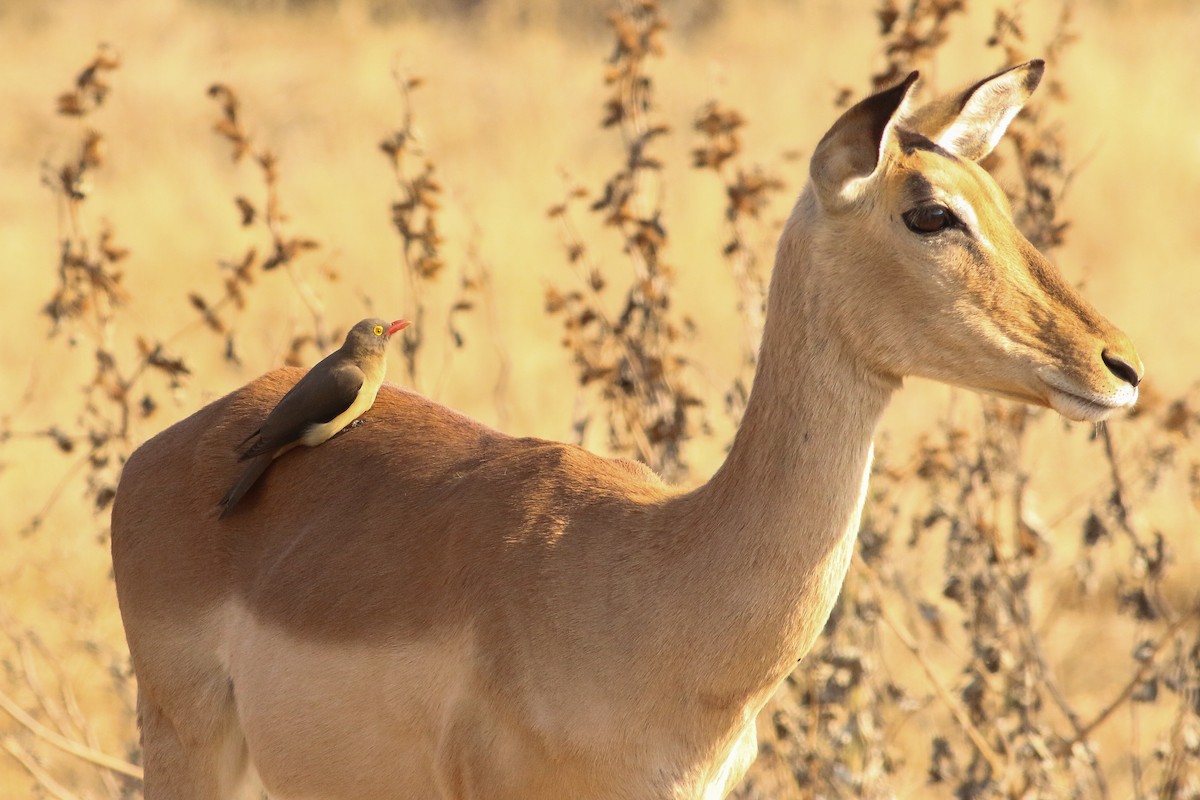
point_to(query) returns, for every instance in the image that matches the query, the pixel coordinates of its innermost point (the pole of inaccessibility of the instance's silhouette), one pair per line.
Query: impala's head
(942, 284)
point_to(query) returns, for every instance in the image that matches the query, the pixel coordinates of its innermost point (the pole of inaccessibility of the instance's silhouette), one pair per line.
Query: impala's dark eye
(930, 219)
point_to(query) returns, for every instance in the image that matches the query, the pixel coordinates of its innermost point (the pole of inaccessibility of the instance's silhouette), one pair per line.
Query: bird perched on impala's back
(330, 396)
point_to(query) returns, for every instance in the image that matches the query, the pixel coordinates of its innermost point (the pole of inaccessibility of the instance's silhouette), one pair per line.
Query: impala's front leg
(741, 756)
(186, 764)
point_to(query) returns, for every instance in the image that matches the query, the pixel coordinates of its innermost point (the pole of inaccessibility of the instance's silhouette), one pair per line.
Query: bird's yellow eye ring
(378, 330)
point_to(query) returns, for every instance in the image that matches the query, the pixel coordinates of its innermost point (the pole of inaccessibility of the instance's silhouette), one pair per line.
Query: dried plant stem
(1033, 645)
(500, 390)
(1018, 603)
(81, 722)
(414, 218)
(66, 745)
(611, 334)
(67, 717)
(22, 757)
(285, 250)
(1143, 670)
(316, 309)
(635, 364)
(1120, 494)
(1135, 733)
(36, 520)
(32, 677)
(612, 331)
(751, 293)
(746, 194)
(994, 759)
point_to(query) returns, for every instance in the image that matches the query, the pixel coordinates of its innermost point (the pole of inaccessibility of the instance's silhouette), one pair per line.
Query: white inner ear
(983, 120)
(855, 187)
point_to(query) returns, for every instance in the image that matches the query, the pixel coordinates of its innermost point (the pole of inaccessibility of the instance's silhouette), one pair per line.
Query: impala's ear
(853, 148)
(971, 122)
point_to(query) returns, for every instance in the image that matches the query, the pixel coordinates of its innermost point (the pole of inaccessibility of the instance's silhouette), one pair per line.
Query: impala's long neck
(778, 521)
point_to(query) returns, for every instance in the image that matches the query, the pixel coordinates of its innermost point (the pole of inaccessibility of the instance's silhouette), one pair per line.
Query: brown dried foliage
(911, 35)
(414, 216)
(285, 248)
(1034, 136)
(630, 359)
(747, 192)
(86, 306)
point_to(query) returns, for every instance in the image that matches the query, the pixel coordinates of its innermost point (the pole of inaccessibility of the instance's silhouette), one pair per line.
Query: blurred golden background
(509, 113)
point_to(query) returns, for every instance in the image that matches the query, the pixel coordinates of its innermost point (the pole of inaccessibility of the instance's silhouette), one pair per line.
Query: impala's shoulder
(414, 417)
(570, 470)
(405, 420)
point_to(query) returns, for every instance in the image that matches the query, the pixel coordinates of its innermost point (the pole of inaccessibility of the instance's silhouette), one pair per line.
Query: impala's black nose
(1121, 368)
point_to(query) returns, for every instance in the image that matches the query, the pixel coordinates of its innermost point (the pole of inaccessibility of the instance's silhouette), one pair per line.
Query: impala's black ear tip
(899, 91)
(901, 87)
(1032, 72)
(1035, 69)
(889, 100)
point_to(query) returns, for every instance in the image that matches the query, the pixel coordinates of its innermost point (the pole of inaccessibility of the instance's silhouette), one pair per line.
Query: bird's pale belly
(319, 432)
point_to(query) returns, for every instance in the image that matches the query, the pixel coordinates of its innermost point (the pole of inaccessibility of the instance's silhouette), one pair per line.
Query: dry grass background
(512, 99)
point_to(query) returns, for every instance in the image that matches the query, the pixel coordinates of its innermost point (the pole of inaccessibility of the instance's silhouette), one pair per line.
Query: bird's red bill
(398, 325)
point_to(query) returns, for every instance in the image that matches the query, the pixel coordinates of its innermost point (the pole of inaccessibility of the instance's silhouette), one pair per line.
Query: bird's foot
(357, 423)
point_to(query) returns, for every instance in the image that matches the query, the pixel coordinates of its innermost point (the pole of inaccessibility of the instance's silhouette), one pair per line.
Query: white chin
(1082, 409)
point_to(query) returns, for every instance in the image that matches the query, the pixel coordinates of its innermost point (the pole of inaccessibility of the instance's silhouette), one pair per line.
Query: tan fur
(428, 608)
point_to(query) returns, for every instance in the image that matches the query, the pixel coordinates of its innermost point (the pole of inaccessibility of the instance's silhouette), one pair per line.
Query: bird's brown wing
(325, 391)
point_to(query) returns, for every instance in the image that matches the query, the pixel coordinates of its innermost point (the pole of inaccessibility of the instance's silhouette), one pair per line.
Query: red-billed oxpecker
(330, 396)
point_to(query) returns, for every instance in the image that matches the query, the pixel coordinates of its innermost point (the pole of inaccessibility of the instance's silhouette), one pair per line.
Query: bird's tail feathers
(249, 477)
(243, 443)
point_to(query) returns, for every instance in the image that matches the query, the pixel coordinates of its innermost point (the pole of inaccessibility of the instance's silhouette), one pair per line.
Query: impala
(428, 608)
